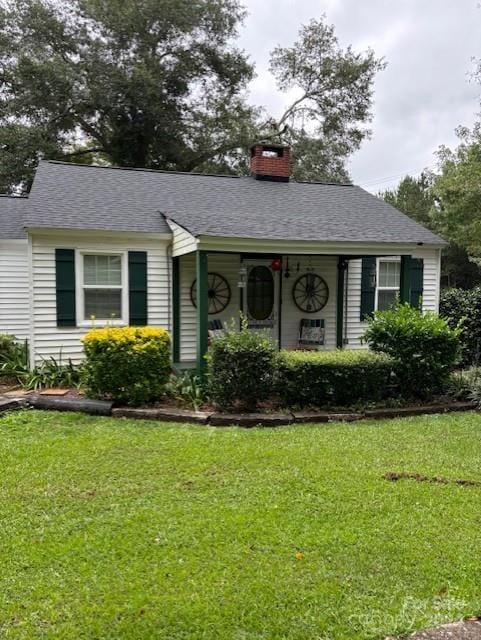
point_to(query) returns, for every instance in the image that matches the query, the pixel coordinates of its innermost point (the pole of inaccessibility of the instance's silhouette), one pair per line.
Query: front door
(261, 301)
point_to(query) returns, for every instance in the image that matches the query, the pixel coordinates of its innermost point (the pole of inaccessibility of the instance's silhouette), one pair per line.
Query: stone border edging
(280, 419)
(10, 404)
(215, 419)
(167, 414)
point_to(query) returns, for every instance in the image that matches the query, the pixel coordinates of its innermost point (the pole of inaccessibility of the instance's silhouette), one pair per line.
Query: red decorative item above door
(276, 264)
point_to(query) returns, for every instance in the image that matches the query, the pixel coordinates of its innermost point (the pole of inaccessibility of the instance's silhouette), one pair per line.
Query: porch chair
(215, 329)
(311, 333)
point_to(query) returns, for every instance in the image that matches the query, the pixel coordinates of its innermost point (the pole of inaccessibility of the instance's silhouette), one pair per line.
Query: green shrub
(128, 364)
(340, 378)
(463, 308)
(8, 346)
(241, 368)
(14, 358)
(423, 346)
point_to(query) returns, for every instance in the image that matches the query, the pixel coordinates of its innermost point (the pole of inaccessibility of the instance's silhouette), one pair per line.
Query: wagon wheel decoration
(218, 293)
(310, 293)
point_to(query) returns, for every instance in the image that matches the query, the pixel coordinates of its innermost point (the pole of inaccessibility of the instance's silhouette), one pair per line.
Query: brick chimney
(270, 161)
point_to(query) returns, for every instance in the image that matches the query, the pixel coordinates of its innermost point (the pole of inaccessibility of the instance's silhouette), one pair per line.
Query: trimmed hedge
(129, 365)
(241, 367)
(463, 308)
(424, 348)
(339, 378)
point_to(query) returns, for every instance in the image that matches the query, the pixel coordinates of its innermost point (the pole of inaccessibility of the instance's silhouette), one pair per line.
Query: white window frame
(378, 288)
(80, 286)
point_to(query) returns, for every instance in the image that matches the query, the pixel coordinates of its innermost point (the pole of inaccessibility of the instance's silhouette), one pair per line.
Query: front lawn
(122, 529)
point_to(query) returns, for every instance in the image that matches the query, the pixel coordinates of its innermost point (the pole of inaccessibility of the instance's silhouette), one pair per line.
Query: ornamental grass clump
(241, 367)
(130, 365)
(425, 349)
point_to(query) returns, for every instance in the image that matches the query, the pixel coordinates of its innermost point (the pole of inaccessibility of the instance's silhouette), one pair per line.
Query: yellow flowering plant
(130, 365)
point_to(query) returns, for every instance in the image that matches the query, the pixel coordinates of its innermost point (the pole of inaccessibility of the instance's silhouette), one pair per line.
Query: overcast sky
(422, 95)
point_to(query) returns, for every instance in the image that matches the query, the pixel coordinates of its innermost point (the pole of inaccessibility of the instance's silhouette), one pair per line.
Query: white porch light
(242, 277)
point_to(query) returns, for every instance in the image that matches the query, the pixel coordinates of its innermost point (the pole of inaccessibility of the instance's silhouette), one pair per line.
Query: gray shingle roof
(71, 196)
(85, 197)
(12, 217)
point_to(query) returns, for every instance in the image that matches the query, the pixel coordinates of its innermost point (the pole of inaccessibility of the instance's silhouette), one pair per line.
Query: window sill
(100, 324)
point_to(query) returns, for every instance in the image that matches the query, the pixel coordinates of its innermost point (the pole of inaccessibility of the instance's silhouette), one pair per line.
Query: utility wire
(373, 182)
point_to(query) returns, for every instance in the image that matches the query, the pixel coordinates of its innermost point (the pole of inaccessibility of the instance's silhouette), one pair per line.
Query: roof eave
(235, 244)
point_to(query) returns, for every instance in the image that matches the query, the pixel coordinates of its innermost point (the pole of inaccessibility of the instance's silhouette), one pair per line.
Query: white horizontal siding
(354, 328)
(228, 265)
(431, 282)
(50, 340)
(14, 289)
(182, 242)
(324, 266)
(431, 279)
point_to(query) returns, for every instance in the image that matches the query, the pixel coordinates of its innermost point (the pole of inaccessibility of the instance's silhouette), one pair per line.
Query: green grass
(122, 529)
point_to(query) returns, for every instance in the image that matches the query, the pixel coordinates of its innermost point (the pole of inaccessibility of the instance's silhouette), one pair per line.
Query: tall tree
(457, 191)
(160, 84)
(457, 211)
(326, 122)
(150, 83)
(414, 197)
(417, 198)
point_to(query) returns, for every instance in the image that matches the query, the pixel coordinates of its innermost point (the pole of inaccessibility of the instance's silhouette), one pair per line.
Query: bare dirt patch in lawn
(469, 629)
(393, 476)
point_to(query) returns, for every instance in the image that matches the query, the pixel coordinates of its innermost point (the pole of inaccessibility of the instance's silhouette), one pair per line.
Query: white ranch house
(95, 245)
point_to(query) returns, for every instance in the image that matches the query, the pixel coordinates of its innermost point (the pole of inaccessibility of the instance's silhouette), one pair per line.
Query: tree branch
(207, 155)
(291, 108)
(83, 152)
(90, 129)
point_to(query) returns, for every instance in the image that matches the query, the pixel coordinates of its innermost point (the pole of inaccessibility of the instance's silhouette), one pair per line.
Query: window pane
(103, 270)
(104, 304)
(389, 274)
(260, 293)
(385, 299)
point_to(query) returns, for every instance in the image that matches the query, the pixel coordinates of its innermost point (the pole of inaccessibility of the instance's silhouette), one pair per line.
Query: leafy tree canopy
(148, 83)
(426, 199)
(414, 197)
(160, 84)
(457, 191)
(326, 123)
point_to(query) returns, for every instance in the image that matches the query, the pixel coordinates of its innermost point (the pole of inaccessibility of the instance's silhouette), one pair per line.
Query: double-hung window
(388, 282)
(103, 284)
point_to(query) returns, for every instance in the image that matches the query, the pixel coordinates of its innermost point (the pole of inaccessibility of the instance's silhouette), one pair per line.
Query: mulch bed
(73, 401)
(8, 386)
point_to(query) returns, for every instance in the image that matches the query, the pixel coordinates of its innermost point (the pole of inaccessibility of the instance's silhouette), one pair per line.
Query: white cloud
(422, 95)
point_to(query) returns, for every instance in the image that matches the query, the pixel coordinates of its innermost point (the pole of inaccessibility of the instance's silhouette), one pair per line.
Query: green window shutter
(368, 286)
(138, 288)
(65, 287)
(405, 280)
(417, 278)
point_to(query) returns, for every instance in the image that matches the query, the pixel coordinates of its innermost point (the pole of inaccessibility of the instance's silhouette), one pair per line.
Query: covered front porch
(275, 290)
